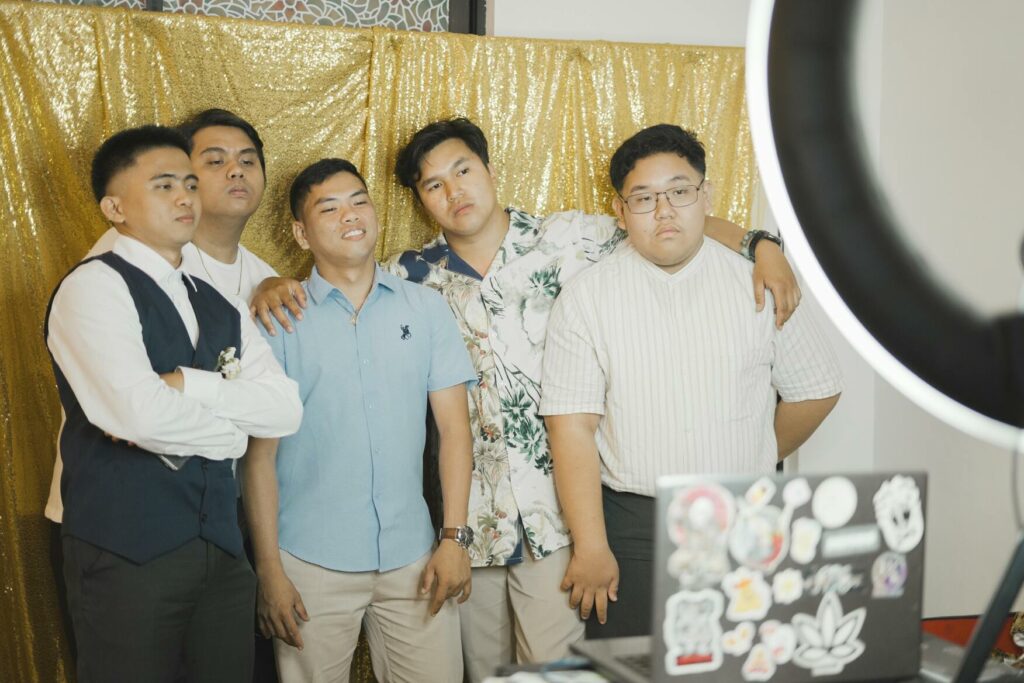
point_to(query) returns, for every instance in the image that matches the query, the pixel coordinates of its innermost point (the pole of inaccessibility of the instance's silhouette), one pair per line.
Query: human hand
(592, 579)
(277, 604)
(772, 271)
(448, 571)
(272, 297)
(174, 379)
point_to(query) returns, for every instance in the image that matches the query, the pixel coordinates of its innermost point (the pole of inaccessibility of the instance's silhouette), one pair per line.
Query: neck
(354, 280)
(170, 253)
(480, 248)
(218, 237)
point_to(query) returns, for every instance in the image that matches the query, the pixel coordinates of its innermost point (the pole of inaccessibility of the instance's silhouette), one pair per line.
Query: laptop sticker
(862, 539)
(698, 521)
(750, 597)
(888, 575)
(787, 586)
(738, 641)
(759, 665)
(779, 638)
(806, 534)
(835, 501)
(898, 511)
(692, 633)
(760, 537)
(796, 493)
(834, 578)
(829, 640)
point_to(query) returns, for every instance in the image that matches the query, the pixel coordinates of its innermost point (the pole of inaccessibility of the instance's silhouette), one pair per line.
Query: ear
(111, 208)
(619, 207)
(299, 232)
(709, 190)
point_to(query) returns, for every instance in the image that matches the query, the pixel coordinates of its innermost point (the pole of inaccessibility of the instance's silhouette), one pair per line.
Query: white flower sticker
(787, 586)
(806, 534)
(828, 641)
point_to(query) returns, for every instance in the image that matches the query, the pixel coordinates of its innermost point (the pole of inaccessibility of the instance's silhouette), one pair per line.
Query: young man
(162, 385)
(657, 363)
(340, 528)
(500, 271)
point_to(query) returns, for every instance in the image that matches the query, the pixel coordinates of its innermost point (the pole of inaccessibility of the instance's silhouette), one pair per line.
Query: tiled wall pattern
(412, 15)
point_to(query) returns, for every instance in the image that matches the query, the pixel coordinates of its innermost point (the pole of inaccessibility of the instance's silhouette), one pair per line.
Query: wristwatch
(748, 245)
(463, 535)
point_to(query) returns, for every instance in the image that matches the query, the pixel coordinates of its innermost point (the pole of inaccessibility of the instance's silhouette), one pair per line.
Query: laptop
(781, 578)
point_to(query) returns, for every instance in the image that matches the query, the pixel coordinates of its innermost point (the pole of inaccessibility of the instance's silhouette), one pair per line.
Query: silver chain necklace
(241, 269)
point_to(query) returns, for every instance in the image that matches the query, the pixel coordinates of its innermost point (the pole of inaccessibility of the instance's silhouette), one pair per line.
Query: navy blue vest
(125, 499)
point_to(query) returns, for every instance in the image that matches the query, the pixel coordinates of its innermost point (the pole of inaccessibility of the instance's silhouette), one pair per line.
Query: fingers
(263, 315)
(587, 604)
(759, 294)
(440, 595)
(300, 609)
(601, 606)
(298, 297)
(613, 589)
(576, 596)
(428, 579)
(265, 628)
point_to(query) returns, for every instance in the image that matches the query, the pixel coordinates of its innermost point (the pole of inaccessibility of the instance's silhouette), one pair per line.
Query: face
(231, 180)
(668, 236)
(337, 222)
(155, 200)
(457, 189)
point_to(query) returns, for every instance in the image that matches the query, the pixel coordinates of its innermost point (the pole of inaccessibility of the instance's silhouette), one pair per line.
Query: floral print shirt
(503, 318)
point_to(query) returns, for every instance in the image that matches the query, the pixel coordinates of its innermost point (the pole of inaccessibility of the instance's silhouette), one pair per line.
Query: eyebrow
(174, 176)
(641, 188)
(335, 198)
(221, 150)
(430, 179)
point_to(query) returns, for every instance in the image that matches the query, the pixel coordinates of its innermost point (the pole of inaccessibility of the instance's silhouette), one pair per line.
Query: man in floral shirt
(500, 270)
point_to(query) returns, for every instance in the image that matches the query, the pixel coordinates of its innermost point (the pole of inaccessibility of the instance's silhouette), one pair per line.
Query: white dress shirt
(96, 339)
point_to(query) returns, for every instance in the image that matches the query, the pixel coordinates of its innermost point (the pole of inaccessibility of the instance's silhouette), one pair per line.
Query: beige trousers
(518, 614)
(406, 643)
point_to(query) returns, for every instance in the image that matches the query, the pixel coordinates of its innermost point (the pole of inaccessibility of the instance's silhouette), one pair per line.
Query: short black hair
(315, 174)
(407, 167)
(664, 137)
(120, 151)
(222, 117)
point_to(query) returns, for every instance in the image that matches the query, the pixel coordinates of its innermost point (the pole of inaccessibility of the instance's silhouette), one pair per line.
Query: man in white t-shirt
(657, 363)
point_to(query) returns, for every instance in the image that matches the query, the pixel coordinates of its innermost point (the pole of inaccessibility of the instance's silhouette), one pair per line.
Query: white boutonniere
(227, 364)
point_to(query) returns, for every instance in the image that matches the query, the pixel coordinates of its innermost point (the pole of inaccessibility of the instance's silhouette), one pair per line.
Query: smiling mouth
(353, 234)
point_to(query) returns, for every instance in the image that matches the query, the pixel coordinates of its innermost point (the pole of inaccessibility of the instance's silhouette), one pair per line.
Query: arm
(593, 574)
(277, 601)
(262, 400)
(272, 297)
(449, 564)
(771, 269)
(100, 351)
(795, 422)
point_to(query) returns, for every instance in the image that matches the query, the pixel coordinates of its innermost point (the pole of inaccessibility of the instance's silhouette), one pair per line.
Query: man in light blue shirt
(341, 532)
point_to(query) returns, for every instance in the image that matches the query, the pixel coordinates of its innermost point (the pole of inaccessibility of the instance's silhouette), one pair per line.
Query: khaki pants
(406, 643)
(518, 614)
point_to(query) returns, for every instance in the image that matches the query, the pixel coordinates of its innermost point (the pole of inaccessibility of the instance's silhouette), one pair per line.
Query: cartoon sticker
(898, 511)
(834, 578)
(760, 537)
(698, 523)
(779, 638)
(828, 640)
(692, 632)
(787, 586)
(853, 540)
(738, 641)
(806, 534)
(759, 665)
(888, 575)
(835, 501)
(749, 595)
(796, 493)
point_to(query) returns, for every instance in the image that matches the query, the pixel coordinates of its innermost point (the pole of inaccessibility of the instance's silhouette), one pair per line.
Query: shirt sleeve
(449, 360)
(804, 366)
(599, 235)
(573, 379)
(262, 400)
(100, 351)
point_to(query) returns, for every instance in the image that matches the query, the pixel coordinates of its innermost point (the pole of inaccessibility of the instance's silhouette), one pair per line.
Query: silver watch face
(464, 536)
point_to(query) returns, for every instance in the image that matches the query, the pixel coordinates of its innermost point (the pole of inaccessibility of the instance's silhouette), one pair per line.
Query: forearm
(724, 232)
(577, 472)
(455, 465)
(260, 497)
(795, 422)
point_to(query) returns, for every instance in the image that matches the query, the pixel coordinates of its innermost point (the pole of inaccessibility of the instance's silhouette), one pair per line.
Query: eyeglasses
(679, 196)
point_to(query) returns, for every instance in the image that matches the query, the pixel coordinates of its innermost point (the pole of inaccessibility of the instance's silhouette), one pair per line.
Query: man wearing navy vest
(162, 381)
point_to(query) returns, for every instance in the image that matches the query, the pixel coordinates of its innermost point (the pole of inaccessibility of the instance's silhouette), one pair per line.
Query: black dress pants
(184, 615)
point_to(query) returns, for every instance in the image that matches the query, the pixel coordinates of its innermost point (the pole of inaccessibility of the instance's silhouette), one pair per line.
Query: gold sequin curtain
(553, 110)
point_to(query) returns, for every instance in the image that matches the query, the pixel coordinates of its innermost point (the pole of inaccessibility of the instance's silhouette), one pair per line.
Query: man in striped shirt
(657, 362)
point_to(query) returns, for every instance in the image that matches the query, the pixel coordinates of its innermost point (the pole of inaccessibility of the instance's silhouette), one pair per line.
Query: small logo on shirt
(406, 334)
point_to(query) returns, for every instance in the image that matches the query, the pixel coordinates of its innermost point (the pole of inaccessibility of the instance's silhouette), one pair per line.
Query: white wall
(874, 427)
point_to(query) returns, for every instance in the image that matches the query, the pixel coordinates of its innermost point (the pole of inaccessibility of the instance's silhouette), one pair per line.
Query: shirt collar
(320, 289)
(146, 259)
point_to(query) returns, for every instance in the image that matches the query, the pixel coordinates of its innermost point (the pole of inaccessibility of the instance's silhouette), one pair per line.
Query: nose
(235, 170)
(186, 198)
(662, 206)
(454, 192)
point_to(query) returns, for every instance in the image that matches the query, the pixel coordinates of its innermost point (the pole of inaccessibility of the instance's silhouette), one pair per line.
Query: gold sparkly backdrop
(553, 111)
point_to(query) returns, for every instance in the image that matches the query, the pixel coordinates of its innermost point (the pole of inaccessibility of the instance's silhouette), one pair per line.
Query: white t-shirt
(235, 282)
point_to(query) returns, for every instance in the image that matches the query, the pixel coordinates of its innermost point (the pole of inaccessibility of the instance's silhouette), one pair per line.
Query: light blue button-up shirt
(351, 479)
